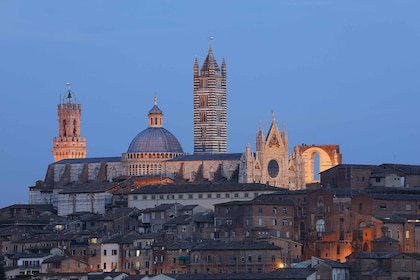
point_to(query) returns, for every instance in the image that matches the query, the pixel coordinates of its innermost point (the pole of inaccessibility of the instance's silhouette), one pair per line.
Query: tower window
(203, 101)
(203, 116)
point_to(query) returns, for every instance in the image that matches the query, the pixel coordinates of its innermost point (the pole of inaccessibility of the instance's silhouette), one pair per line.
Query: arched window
(320, 228)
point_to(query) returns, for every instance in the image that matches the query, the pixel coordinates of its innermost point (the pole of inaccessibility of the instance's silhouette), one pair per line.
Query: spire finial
(155, 100)
(272, 115)
(68, 92)
(260, 124)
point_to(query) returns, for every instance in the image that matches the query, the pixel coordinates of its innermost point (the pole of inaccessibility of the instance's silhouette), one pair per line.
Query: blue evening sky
(334, 72)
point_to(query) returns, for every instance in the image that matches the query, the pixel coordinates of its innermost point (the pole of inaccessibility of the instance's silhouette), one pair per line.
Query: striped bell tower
(210, 120)
(69, 143)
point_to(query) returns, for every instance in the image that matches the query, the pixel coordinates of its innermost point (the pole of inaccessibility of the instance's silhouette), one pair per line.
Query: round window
(273, 168)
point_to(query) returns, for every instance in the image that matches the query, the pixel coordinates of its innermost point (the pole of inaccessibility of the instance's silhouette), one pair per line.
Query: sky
(333, 72)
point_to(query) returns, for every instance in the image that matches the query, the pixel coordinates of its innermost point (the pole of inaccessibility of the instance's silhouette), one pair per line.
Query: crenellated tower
(210, 108)
(69, 143)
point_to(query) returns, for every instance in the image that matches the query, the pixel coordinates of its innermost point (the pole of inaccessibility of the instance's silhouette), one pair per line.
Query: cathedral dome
(155, 139)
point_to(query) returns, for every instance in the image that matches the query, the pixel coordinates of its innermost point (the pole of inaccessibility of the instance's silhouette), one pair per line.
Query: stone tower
(69, 143)
(210, 120)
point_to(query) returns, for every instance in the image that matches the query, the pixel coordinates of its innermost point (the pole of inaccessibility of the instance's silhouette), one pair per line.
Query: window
(246, 194)
(284, 211)
(200, 195)
(209, 195)
(274, 210)
(408, 207)
(273, 168)
(203, 116)
(218, 195)
(114, 252)
(203, 99)
(382, 206)
(190, 196)
(260, 210)
(260, 221)
(407, 234)
(274, 222)
(180, 196)
(104, 265)
(320, 228)
(144, 197)
(134, 197)
(227, 195)
(104, 252)
(249, 258)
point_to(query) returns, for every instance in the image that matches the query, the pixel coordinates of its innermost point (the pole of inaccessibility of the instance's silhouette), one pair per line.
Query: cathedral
(155, 155)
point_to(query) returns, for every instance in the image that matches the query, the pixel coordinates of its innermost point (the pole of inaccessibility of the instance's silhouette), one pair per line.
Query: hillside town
(157, 212)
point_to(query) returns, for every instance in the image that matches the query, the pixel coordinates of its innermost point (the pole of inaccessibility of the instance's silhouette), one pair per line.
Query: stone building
(210, 108)
(271, 164)
(156, 152)
(361, 176)
(69, 143)
(151, 147)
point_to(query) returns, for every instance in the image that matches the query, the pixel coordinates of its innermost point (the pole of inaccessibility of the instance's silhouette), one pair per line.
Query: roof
(385, 239)
(352, 166)
(88, 188)
(403, 168)
(55, 259)
(88, 160)
(209, 62)
(234, 245)
(161, 207)
(208, 157)
(221, 187)
(393, 196)
(155, 139)
(332, 264)
(284, 273)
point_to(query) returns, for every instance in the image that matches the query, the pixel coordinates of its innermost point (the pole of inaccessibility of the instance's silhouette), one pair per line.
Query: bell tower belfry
(69, 143)
(210, 120)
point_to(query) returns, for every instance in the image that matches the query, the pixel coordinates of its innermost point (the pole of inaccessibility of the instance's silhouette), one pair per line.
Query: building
(151, 147)
(69, 143)
(205, 195)
(210, 108)
(156, 155)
